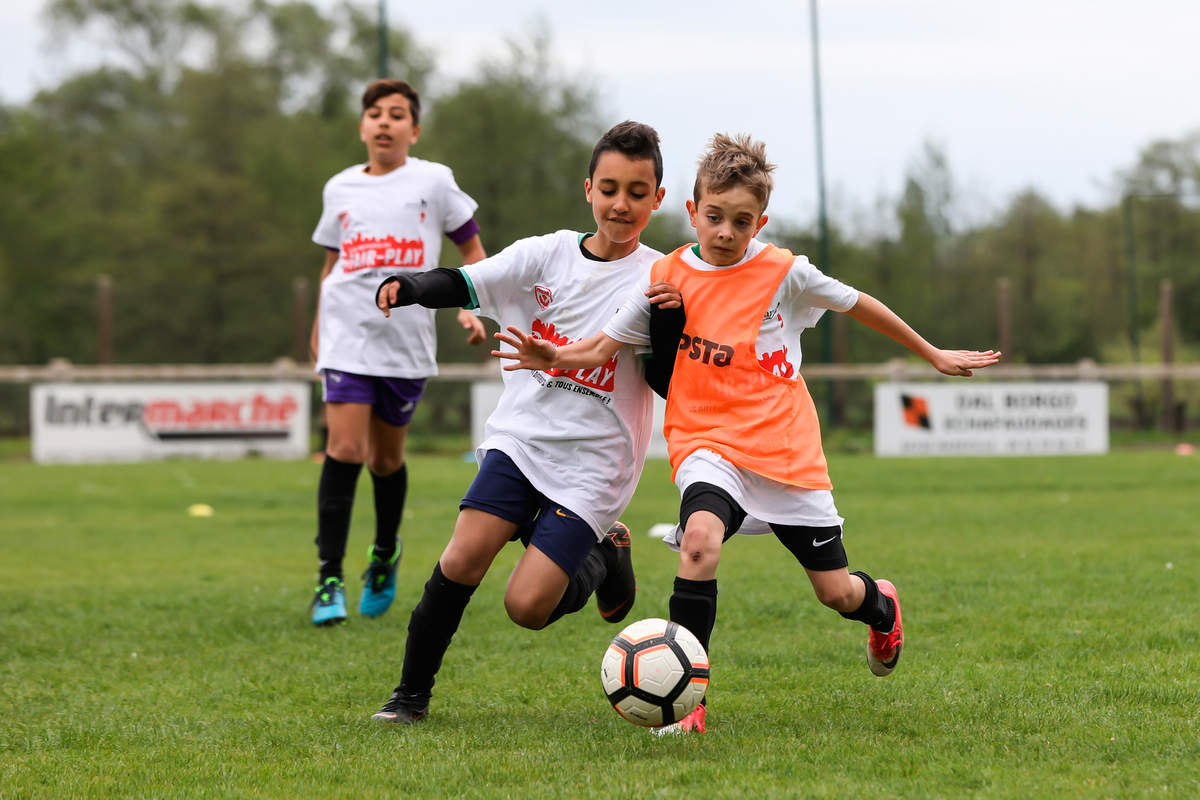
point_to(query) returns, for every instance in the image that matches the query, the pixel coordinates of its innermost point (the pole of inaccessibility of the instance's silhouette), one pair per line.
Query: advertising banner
(991, 419)
(96, 422)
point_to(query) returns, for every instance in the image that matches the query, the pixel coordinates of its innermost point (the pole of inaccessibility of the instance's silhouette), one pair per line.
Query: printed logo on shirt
(706, 351)
(344, 219)
(777, 363)
(542, 295)
(420, 207)
(373, 252)
(916, 411)
(602, 378)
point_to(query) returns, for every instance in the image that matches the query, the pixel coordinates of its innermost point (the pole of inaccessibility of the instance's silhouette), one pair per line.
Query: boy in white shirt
(742, 432)
(563, 450)
(386, 215)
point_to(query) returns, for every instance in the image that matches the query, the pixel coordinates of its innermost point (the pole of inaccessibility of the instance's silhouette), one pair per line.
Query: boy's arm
(472, 251)
(438, 288)
(666, 326)
(534, 353)
(331, 257)
(876, 315)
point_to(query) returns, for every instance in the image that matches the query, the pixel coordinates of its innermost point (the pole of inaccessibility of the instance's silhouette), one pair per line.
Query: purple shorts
(503, 491)
(393, 400)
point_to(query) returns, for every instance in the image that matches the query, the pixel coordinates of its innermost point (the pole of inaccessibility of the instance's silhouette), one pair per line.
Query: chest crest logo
(542, 295)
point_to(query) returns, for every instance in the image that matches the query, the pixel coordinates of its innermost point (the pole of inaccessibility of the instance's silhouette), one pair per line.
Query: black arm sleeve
(666, 329)
(438, 288)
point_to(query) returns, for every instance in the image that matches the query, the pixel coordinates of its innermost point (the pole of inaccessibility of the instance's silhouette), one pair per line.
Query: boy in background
(564, 449)
(385, 216)
(742, 431)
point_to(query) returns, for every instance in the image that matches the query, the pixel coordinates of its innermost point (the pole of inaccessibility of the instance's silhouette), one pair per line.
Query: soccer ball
(654, 672)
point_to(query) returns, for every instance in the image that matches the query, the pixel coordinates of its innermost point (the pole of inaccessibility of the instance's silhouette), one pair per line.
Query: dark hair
(633, 140)
(735, 161)
(385, 86)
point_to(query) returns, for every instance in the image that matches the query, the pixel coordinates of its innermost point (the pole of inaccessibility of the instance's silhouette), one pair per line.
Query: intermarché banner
(991, 419)
(96, 422)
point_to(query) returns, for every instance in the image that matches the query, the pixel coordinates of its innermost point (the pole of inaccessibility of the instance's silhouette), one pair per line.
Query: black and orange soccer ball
(654, 672)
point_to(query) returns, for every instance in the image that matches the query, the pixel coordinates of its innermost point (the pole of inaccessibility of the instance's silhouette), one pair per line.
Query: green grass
(1050, 609)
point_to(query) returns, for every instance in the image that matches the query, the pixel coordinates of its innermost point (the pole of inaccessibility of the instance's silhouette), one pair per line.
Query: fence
(1162, 393)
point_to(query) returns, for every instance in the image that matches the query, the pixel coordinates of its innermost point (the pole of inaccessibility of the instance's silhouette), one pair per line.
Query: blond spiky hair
(735, 161)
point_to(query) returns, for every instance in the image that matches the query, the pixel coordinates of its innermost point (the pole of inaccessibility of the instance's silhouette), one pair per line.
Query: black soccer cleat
(615, 595)
(403, 708)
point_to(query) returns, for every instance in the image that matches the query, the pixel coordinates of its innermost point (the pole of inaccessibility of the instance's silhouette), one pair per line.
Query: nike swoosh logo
(564, 514)
(827, 541)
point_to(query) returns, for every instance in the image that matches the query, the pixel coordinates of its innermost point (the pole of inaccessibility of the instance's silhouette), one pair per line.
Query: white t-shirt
(801, 299)
(803, 296)
(382, 225)
(579, 437)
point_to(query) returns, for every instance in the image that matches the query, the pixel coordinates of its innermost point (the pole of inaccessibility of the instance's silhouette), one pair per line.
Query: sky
(1057, 95)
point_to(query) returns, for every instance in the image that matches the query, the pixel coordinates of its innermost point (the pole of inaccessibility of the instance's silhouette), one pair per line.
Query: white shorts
(764, 500)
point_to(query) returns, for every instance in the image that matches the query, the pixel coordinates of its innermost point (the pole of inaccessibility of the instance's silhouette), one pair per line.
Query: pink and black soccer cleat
(883, 649)
(692, 723)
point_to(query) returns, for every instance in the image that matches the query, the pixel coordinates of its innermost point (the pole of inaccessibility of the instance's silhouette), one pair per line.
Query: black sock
(694, 606)
(877, 609)
(591, 574)
(430, 628)
(335, 502)
(390, 491)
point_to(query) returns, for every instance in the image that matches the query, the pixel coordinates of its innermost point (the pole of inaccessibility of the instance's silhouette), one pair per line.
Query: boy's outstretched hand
(962, 363)
(531, 352)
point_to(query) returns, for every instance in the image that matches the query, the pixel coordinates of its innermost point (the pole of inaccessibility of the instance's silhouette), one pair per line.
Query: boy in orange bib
(742, 432)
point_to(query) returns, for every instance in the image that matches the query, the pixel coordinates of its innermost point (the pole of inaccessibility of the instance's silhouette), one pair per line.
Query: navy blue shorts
(393, 400)
(501, 489)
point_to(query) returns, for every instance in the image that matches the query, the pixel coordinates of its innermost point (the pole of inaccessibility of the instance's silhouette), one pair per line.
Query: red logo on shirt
(542, 295)
(777, 363)
(601, 378)
(371, 252)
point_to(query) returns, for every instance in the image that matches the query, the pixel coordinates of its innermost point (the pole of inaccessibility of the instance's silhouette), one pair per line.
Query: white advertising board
(486, 394)
(991, 419)
(97, 422)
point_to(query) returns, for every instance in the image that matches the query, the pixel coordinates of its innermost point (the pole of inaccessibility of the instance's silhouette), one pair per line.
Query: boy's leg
(396, 401)
(709, 515)
(344, 456)
(335, 505)
(498, 502)
(564, 566)
(478, 537)
(855, 595)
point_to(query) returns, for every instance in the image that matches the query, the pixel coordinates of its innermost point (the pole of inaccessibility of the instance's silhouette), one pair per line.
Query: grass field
(1051, 610)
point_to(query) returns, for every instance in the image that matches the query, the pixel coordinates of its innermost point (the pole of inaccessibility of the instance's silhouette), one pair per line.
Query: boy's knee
(701, 544)
(838, 595)
(384, 465)
(349, 451)
(525, 614)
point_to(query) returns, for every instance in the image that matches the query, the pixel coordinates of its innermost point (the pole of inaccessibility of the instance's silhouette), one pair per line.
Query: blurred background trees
(190, 171)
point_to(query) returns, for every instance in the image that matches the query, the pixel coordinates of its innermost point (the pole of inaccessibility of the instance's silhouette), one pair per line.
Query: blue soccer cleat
(329, 603)
(379, 583)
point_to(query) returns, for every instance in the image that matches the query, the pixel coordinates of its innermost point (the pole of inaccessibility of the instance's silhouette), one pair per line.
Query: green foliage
(1142, 401)
(189, 169)
(170, 656)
